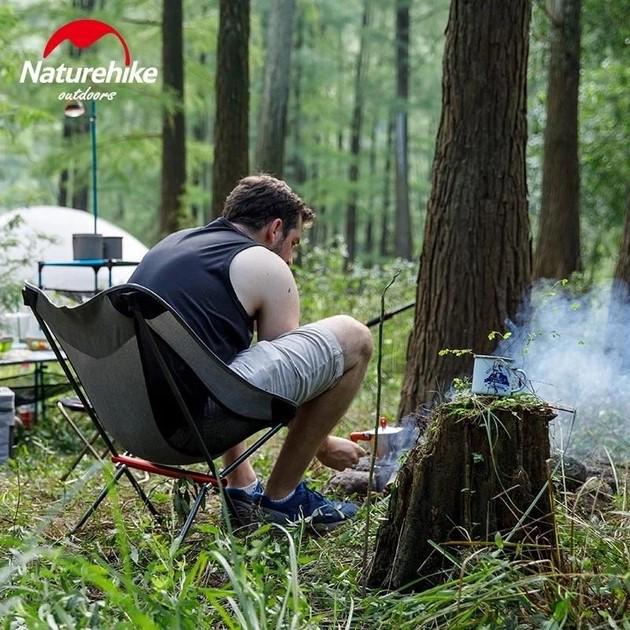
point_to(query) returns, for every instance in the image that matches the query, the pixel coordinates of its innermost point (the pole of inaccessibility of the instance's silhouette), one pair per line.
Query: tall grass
(120, 572)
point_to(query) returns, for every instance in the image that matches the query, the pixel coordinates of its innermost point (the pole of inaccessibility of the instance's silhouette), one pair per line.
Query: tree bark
(558, 243)
(231, 127)
(369, 223)
(296, 161)
(475, 267)
(201, 133)
(620, 300)
(497, 474)
(273, 108)
(173, 123)
(622, 270)
(384, 244)
(355, 139)
(403, 244)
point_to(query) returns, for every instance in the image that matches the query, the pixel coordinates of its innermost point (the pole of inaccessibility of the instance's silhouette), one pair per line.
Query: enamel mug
(495, 376)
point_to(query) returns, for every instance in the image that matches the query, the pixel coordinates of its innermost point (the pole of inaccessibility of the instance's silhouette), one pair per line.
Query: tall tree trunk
(201, 133)
(296, 160)
(475, 267)
(403, 217)
(620, 303)
(341, 88)
(369, 224)
(317, 193)
(231, 127)
(173, 124)
(384, 244)
(73, 182)
(62, 194)
(355, 138)
(622, 270)
(273, 108)
(558, 243)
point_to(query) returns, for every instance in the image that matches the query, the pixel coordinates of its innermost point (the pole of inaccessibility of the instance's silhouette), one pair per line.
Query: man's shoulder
(256, 273)
(256, 268)
(258, 258)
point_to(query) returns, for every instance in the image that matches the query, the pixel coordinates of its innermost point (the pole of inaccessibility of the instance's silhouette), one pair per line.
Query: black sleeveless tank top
(190, 269)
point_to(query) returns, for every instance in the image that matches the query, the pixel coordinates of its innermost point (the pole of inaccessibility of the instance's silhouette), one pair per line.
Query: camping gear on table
(495, 376)
(112, 247)
(87, 246)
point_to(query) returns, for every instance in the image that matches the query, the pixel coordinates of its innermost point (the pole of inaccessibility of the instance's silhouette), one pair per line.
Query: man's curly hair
(258, 199)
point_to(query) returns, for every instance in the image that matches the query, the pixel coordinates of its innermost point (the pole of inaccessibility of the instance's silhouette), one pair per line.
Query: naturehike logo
(83, 34)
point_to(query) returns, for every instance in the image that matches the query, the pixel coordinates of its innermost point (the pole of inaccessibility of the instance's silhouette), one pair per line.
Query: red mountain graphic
(84, 33)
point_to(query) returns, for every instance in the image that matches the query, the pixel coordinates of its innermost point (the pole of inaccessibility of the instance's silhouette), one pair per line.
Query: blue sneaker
(241, 504)
(320, 513)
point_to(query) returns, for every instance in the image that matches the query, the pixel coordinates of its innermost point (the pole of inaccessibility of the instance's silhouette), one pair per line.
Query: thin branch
(129, 20)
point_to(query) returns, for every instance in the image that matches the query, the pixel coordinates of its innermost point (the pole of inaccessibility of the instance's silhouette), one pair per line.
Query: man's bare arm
(266, 288)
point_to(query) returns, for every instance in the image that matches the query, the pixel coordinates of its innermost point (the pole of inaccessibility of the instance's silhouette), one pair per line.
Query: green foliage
(122, 574)
(604, 128)
(129, 127)
(456, 352)
(12, 258)
(9, 262)
(120, 571)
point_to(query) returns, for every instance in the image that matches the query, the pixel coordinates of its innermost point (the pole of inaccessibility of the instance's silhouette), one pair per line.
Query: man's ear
(276, 229)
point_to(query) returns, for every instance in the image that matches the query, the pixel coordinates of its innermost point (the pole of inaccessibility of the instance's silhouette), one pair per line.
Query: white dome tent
(45, 234)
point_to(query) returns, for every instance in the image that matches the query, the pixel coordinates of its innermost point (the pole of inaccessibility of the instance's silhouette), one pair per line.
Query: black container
(112, 247)
(87, 246)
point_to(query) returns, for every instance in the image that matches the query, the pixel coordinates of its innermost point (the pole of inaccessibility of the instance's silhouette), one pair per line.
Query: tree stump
(481, 471)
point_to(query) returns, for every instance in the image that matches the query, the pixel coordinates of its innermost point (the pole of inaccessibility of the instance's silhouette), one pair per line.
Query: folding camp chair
(65, 406)
(134, 359)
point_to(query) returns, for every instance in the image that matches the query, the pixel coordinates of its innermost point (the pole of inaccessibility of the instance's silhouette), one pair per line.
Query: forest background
(43, 161)
(354, 75)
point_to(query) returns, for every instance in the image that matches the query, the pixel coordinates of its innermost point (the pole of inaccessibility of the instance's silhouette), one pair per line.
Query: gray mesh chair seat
(148, 376)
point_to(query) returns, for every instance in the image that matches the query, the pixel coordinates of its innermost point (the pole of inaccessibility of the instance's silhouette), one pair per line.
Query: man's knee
(354, 337)
(364, 340)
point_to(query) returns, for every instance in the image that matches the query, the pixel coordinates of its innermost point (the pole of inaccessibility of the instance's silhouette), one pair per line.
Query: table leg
(37, 393)
(43, 392)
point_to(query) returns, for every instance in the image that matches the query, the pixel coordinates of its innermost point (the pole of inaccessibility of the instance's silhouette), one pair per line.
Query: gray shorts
(298, 365)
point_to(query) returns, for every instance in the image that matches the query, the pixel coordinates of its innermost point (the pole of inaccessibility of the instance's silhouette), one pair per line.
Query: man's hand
(339, 453)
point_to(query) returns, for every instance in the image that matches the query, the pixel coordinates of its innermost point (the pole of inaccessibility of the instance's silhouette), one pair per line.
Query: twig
(366, 537)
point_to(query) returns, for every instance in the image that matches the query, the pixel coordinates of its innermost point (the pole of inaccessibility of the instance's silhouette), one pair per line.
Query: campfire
(392, 443)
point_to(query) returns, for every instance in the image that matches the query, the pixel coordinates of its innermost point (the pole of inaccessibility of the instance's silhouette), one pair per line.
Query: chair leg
(143, 496)
(87, 443)
(120, 469)
(80, 456)
(191, 516)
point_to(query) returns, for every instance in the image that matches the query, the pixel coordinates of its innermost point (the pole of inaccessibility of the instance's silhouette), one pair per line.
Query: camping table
(38, 358)
(95, 263)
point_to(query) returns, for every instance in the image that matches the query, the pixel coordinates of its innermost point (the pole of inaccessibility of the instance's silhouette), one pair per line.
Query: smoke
(399, 444)
(576, 352)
